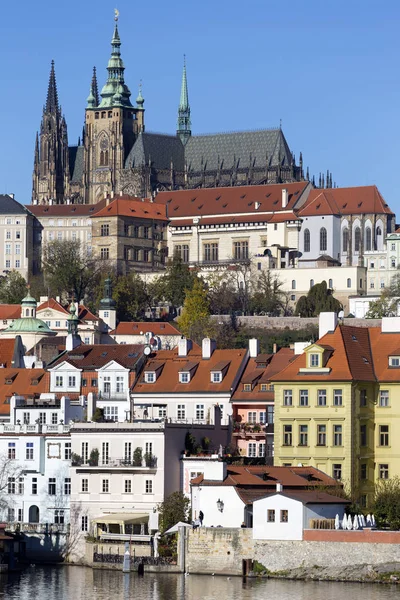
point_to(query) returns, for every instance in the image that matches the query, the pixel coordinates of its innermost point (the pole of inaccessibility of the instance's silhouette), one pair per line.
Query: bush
(76, 460)
(94, 458)
(138, 457)
(387, 503)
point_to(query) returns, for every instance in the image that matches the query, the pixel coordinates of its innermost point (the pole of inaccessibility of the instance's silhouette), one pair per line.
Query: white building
(16, 236)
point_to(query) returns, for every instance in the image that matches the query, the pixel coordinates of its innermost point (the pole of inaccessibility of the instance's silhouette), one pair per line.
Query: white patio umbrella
(337, 522)
(349, 523)
(364, 524)
(344, 521)
(369, 522)
(360, 521)
(373, 521)
(355, 522)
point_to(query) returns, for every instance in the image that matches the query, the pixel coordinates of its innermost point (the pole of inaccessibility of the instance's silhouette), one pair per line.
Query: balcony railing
(15, 526)
(129, 463)
(33, 428)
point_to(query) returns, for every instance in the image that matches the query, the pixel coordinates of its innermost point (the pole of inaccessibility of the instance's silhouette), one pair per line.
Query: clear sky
(328, 68)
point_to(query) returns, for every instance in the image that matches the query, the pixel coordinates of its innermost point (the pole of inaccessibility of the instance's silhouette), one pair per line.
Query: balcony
(244, 430)
(34, 428)
(145, 464)
(17, 527)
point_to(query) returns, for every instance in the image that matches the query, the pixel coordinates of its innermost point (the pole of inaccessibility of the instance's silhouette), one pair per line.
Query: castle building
(117, 155)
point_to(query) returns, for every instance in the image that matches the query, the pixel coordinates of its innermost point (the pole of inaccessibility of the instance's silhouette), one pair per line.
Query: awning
(174, 528)
(127, 518)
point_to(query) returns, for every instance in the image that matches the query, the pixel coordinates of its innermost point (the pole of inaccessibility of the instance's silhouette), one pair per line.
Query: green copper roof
(28, 301)
(107, 302)
(140, 99)
(115, 92)
(29, 325)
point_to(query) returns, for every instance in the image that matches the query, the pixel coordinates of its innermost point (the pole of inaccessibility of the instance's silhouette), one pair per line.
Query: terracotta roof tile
(65, 210)
(53, 304)
(274, 364)
(136, 327)
(10, 311)
(6, 352)
(384, 345)
(91, 357)
(344, 201)
(23, 384)
(132, 207)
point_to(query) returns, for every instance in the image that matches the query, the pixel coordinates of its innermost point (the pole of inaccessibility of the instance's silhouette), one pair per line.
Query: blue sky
(329, 69)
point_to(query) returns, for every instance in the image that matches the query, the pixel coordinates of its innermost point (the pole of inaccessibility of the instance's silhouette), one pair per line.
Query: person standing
(201, 518)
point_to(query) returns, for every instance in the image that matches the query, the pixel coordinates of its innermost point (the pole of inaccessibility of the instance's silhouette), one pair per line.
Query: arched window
(368, 238)
(311, 283)
(379, 243)
(106, 158)
(293, 284)
(349, 283)
(323, 240)
(357, 239)
(102, 158)
(330, 284)
(306, 240)
(345, 239)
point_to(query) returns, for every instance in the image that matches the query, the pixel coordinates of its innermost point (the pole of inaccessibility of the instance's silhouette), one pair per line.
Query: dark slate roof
(9, 206)
(76, 162)
(237, 147)
(159, 148)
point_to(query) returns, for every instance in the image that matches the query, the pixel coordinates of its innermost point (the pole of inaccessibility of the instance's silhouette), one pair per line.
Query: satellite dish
(147, 350)
(341, 314)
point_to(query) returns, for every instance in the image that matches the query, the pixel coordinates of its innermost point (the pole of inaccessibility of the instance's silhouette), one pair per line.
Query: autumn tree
(175, 508)
(267, 295)
(12, 288)
(10, 472)
(194, 321)
(319, 299)
(385, 306)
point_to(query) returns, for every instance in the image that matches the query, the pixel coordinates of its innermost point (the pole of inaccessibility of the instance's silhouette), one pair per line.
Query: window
(58, 323)
(8, 264)
(104, 230)
(20, 485)
(363, 398)
(42, 418)
(84, 518)
(394, 361)
(270, 516)
(345, 239)
(199, 412)
(323, 240)
(8, 235)
(11, 450)
(85, 452)
(357, 239)
(105, 486)
(261, 449)
(337, 471)
(393, 263)
(181, 411)
(384, 435)
(182, 250)
(146, 231)
(363, 471)
(321, 397)
(330, 284)
(321, 435)
(34, 486)
(216, 377)
(349, 283)
(241, 250)
(162, 412)
(128, 486)
(119, 386)
(287, 435)
(67, 486)
(252, 449)
(368, 238)
(363, 435)
(247, 387)
(303, 435)
(287, 398)
(384, 398)
(252, 417)
(105, 447)
(107, 384)
(210, 252)
(303, 397)
(11, 485)
(149, 377)
(384, 471)
(52, 486)
(54, 418)
(270, 414)
(58, 517)
(17, 264)
(104, 253)
(307, 240)
(111, 413)
(149, 486)
(146, 255)
(184, 377)
(293, 284)
(85, 486)
(29, 451)
(284, 516)
(314, 360)
(8, 248)
(67, 451)
(59, 381)
(60, 235)
(71, 381)
(337, 435)
(311, 283)
(337, 398)
(17, 248)
(20, 515)
(17, 235)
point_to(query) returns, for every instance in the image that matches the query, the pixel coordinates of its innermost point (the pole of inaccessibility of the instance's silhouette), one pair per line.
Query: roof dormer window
(216, 377)
(314, 360)
(184, 377)
(247, 387)
(394, 361)
(149, 377)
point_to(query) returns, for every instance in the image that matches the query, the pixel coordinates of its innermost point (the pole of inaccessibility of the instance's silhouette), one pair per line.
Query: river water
(81, 583)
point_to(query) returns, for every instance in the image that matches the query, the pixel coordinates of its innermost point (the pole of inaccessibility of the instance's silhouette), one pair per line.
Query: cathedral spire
(184, 123)
(37, 149)
(52, 95)
(95, 89)
(115, 92)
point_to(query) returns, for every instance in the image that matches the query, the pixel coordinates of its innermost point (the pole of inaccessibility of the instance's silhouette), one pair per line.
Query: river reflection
(80, 583)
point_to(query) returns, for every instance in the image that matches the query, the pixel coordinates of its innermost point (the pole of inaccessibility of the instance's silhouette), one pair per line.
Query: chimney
(284, 197)
(107, 200)
(390, 325)
(254, 347)
(257, 205)
(208, 346)
(279, 487)
(274, 348)
(327, 323)
(105, 195)
(12, 196)
(184, 345)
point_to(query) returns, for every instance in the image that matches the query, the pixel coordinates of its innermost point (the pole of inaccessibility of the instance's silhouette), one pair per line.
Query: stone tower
(111, 127)
(51, 166)
(184, 125)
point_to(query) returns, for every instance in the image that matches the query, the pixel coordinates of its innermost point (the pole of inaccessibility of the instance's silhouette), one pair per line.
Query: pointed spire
(52, 95)
(184, 124)
(308, 174)
(140, 99)
(115, 86)
(37, 148)
(95, 89)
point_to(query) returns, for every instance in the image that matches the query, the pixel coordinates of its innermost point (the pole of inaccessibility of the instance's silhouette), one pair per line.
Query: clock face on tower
(104, 144)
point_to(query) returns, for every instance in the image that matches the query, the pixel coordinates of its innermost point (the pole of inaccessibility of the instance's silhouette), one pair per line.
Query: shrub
(138, 457)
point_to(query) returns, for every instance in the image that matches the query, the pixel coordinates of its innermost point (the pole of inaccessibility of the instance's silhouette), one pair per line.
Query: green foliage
(98, 415)
(12, 288)
(175, 508)
(387, 503)
(176, 281)
(76, 459)
(131, 297)
(190, 443)
(385, 306)
(94, 458)
(268, 296)
(194, 321)
(319, 299)
(138, 457)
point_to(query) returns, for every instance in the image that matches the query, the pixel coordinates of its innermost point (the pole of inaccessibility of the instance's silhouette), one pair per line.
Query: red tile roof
(274, 363)
(345, 201)
(279, 217)
(91, 357)
(6, 352)
(65, 210)
(384, 345)
(252, 199)
(132, 207)
(23, 384)
(168, 380)
(10, 311)
(137, 327)
(53, 304)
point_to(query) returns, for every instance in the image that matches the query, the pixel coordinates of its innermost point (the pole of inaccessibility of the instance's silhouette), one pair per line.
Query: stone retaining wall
(292, 322)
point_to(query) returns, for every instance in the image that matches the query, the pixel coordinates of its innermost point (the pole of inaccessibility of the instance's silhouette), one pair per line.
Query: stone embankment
(383, 573)
(294, 323)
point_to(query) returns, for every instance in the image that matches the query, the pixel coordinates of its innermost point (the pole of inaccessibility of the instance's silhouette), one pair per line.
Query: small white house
(285, 515)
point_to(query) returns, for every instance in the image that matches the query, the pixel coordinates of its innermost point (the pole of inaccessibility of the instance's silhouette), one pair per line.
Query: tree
(10, 472)
(319, 299)
(385, 306)
(175, 508)
(131, 297)
(268, 296)
(194, 321)
(386, 507)
(12, 288)
(222, 294)
(176, 281)
(69, 270)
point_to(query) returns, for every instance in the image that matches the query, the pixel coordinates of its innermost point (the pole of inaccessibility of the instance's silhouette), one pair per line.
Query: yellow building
(334, 405)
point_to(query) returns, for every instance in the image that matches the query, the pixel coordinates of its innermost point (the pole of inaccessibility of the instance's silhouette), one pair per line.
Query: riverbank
(382, 573)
